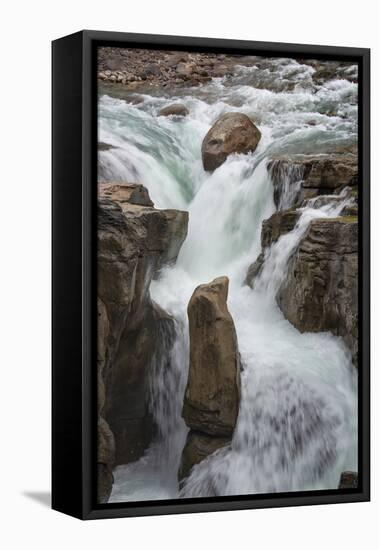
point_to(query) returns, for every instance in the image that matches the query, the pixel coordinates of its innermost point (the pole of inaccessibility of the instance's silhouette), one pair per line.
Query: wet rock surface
(134, 241)
(212, 396)
(231, 133)
(320, 292)
(213, 390)
(174, 110)
(310, 176)
(348, 480)
(198, 447)
(273, 228)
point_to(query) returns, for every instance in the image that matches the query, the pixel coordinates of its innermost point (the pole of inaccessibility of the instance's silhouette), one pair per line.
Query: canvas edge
(85, 507)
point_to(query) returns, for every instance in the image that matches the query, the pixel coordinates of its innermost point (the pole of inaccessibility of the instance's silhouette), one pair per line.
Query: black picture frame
(74, 133)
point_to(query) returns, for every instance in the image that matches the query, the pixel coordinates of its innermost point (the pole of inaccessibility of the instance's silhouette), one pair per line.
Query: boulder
(320, 292)
(134, 241)
(174, 110)
(231, 133)
(280, 223)
(212, 394)
(348, 480)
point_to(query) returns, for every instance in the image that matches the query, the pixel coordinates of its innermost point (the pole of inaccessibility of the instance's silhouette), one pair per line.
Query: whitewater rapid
(297, 424)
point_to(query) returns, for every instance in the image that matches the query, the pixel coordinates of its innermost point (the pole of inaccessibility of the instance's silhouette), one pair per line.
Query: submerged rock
(320, 292)
(174, 110)
(348, 480)
(134, 241)
(231, 133)
(198, 447)
(101, 146)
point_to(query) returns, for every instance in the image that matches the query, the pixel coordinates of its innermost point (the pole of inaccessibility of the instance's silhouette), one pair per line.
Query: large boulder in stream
(212, 396)
(320, 292)
(231, 133)
(134, 241)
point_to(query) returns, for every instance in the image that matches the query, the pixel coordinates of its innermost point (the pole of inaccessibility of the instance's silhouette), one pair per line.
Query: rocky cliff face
(134, 241)
(212, 395)
(320, 292)
(309, 176)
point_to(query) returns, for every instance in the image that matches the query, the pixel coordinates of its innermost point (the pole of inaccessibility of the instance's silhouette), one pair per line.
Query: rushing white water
(296, 428)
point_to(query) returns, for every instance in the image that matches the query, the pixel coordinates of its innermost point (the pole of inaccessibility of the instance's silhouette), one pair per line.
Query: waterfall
(287, 180)
(277, 256)
(296, 428)
(168, 378)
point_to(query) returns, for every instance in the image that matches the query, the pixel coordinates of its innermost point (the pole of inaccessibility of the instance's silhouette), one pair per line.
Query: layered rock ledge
(312, 175)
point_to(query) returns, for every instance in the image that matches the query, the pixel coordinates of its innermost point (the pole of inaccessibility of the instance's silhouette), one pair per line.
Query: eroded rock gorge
(297, 190)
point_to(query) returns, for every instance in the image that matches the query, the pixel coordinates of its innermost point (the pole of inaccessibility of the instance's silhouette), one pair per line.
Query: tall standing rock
(212, 395)
(231, 133)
